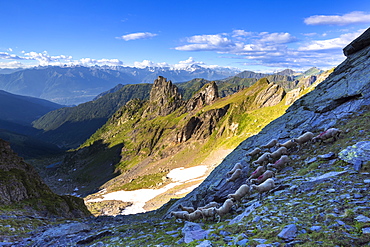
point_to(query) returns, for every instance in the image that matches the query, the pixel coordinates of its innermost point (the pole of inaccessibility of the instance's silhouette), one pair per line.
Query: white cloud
(207, 43)
(346, 19)
(11, 65)
(278, 38)
(10, 49)
(6, 55)
(91, 62)
(328, 44)
(279, 50)
(238, 33)
(135, 36)
(148, 63)
(190, 60)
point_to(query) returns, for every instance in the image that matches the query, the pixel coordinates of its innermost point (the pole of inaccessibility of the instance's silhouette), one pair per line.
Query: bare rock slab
(288, 233)
(357, 154)
(193, 231)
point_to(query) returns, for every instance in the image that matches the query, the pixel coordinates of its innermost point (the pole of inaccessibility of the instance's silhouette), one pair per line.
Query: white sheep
(330, 133)
(271, 144)
(267, 174)
(263, 159)
(179, 214)
(264, 187)
(224, 209)
(197, 214)
(209, 213)
(278, 153)
(187, 209)
(209, 205)
(280, 163)
(254, 152)
(236, 166)
(288, 144)
(235, 175)
(240, 193)
(306, 137)
(258, 172)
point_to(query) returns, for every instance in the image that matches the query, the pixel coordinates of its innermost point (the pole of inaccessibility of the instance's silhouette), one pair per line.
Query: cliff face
(207, 95)
(21, 185)
(343, 93)
(164, 98)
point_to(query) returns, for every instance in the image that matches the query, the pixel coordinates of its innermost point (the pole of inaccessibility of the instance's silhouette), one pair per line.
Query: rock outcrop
(205, 96)
(200, 127)
(164, 98)
(21, 185)
(344, 92)
(270, 96)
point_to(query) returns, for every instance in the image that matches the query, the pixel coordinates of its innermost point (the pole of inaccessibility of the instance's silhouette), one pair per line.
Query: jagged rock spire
(164, 97)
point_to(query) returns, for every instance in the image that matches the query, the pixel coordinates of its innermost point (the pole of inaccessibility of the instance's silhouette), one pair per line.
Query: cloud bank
(346, 19)
(273, 49)
(135, 36)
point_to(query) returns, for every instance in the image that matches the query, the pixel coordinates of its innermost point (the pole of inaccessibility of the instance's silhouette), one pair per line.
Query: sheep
(197, 214)
(271, 144)
(208, 213)
(258, 172)
(280, 163)
(262, 159)
(264, 187)
(306, 137)
(278, 153)
(289, 144)
(224, 209)
(240, 193)
(254, 152)
(236, 166)
(187, 209)
(332, 132)
(209, 205)
(267, 174)
(236, 175)
(179, 214)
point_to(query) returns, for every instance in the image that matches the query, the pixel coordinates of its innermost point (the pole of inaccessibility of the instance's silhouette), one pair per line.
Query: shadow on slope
(86, 169)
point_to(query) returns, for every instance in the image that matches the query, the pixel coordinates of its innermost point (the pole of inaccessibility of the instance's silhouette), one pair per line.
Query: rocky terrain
(321, 198)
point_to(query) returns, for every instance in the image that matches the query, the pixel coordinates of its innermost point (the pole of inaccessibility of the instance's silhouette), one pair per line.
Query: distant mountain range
(78, 84)
(16, 115)
(23, 109)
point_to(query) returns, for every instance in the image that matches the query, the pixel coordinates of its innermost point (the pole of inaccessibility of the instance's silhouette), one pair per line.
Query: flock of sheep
(261, 180)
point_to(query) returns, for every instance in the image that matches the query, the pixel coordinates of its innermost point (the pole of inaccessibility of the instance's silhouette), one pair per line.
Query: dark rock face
(20, 182)
(201, 127)
(343, 93)
(358, 44)
(164, 97)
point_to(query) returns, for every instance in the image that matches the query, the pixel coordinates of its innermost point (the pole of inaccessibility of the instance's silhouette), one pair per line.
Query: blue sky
(261, 35)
